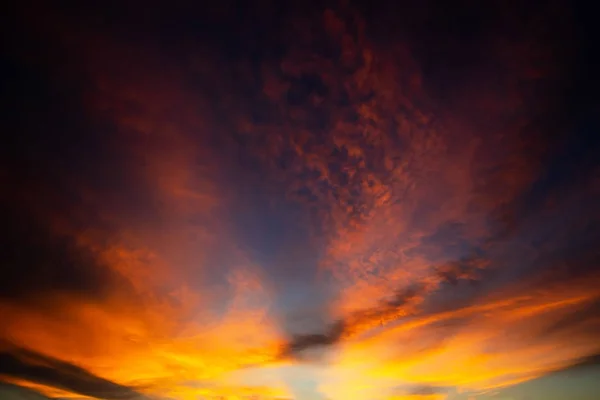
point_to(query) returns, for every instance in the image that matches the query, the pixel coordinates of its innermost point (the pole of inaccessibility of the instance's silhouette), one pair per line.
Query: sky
(302, 200)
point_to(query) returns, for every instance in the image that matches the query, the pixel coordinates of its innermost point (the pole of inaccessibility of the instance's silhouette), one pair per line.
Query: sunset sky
(299, 200)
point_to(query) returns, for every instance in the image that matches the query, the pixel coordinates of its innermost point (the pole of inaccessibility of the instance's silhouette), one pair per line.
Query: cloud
(14, 392)
(409, 177)
(37, 262)
(116, 263)
(475, 347)
(401, 304)
(32, 366)
(578, 381)
(303, 342)
(427, 390)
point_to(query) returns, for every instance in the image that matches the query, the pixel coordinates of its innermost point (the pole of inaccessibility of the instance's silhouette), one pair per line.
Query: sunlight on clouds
(402, 200)
(493, 344)
(151, 349)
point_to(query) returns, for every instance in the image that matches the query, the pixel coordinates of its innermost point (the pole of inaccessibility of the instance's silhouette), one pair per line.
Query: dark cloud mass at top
(298, 200)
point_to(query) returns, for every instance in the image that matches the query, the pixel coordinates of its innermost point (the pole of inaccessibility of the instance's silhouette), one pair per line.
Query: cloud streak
(401, 304)
(34, 367)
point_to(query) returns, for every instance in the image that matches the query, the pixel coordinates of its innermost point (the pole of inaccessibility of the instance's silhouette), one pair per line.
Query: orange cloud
(501, 341)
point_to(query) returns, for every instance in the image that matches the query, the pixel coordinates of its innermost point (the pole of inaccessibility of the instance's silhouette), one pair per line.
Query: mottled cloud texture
(314, 200)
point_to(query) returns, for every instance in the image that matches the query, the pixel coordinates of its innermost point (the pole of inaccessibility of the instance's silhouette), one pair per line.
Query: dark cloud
(53, 152)
(14, 392)
(440, 298)
(427, 390)
(36, 261)
(591, 361)
(37, 368)
(300, 343)
(392, 309)
(587, 317)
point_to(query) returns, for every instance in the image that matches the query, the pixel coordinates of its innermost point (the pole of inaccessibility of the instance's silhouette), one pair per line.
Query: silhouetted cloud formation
(37, 368)
(14, 392)
(389, 310)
